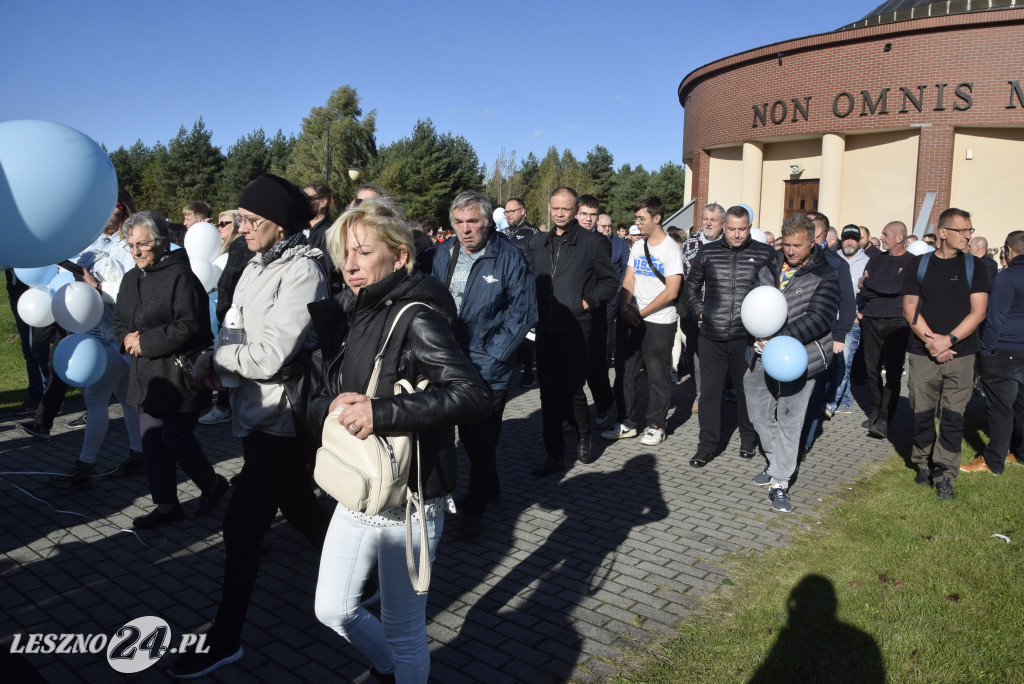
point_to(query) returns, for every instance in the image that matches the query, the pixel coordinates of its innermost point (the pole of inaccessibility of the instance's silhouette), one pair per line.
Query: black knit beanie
(274, 198)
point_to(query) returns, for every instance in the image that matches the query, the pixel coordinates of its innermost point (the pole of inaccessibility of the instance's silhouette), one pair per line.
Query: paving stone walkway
(568, 574)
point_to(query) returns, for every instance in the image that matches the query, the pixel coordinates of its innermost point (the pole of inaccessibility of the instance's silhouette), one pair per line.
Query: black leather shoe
(549, 468)
(155, 518)
(879, 429)
(701, 459)
(208, 501)
(584, 451)
(528, 381)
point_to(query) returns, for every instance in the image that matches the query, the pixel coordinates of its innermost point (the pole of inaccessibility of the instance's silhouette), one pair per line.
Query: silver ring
(353, 428)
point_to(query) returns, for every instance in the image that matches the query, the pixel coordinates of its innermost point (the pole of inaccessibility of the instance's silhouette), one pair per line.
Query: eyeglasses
(512, 211)
(222, 224)
(253, 221)
(141, 246)
(641, 220)
(962, 231)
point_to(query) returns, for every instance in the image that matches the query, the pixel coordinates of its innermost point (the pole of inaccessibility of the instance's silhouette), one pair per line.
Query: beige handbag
(372, 475)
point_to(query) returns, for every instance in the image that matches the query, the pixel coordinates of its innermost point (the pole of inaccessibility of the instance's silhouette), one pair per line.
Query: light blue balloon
(80, 360)
(57, 192)
(784, 358)
(36, 277)
(60, 280)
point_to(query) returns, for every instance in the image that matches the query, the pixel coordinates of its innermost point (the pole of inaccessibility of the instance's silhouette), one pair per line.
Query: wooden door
(801, 196)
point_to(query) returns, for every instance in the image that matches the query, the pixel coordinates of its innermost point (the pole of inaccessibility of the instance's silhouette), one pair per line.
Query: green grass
(889, 579)
(13, 381)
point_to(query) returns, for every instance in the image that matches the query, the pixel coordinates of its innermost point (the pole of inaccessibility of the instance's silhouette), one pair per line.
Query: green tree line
(424, 171)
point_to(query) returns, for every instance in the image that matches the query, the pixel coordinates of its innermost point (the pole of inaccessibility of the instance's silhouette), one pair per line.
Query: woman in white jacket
(271, 296)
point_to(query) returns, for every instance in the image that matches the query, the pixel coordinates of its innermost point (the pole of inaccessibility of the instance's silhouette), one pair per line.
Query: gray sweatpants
(776, 410)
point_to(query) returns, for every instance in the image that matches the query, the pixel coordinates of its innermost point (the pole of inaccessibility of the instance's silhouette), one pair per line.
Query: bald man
(978, 247)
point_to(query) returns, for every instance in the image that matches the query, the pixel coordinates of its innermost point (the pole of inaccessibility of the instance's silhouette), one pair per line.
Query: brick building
(917, 107)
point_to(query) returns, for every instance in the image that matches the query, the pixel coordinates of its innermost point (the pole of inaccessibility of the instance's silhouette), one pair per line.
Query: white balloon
(34, 307)
(918, 247)
(202, 242)
(758, 235)
(221, 262)
(77, 307)
(764, 311)
(499, 216)
(207, 273)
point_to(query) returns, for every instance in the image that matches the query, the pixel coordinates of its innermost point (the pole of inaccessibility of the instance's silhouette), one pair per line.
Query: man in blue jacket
(494, 292)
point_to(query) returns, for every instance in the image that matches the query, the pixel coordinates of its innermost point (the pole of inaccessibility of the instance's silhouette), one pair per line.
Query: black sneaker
(132, 465)
(78, 477)
(923, 477)
(155, 518)
(549, 468)
(763, 478)
(701, 459)
(34, 429)
(195, 665)
(25, 408)
(208, 501)
(747, 451)
(78, 422)
(780, 499)
(529, 380)
(944, 489)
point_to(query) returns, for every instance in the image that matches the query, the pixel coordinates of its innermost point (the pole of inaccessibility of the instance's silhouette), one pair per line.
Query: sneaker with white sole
(780, 499)
(763, 478)
(653, 436)
(618, 431)
(216, 416)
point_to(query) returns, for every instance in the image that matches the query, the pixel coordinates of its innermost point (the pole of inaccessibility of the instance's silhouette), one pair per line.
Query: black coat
(568, 271)
(351, 329)
(239, 255)
(169, 307)
(726, 275)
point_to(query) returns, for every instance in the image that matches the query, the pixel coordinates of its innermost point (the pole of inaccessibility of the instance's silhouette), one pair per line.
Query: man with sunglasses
(945, 294)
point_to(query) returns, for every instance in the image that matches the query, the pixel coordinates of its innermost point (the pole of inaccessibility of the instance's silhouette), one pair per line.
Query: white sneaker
(216, 416)
(618, 431)
(653, 436)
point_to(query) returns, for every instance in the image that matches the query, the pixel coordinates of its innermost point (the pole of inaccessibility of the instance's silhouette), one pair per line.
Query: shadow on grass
(815, 646)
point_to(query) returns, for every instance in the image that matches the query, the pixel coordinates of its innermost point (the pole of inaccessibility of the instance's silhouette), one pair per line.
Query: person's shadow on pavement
(601, 509)
(815, 647)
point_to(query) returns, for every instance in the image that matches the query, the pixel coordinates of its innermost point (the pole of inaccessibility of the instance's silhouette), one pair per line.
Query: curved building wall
(872, 113)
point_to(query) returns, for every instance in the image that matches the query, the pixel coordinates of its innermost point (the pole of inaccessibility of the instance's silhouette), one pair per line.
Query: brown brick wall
(934, 169)
(985, 49)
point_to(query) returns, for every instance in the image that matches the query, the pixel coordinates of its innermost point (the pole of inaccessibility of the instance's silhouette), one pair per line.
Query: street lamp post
(353, 171)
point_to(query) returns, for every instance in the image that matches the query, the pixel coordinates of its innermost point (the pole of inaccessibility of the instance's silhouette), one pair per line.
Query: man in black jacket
(575, 279)
(520, 232)
(725, 271)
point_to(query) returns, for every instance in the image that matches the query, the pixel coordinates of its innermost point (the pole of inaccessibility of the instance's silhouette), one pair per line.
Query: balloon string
(101, 523)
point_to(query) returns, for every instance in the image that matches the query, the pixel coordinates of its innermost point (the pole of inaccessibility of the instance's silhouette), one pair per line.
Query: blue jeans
(398, 641)
(840, 396)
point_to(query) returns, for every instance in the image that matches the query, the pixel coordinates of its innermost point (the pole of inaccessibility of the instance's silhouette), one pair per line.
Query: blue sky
(523, 76)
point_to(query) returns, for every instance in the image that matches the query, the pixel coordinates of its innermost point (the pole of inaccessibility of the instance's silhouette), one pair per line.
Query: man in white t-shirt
(647, 325)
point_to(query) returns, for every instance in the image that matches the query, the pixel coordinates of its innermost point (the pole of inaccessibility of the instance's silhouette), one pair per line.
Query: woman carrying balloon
(162, 320)
(103, 265)
(373, 248)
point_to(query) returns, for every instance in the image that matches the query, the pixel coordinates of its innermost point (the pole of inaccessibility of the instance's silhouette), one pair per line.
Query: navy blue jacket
(620, 256)
(847, 297)
(499, 305)
(1004, 319)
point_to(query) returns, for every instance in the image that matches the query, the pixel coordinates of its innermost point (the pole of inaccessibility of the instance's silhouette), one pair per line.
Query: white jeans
(398, 641)
(97, 400)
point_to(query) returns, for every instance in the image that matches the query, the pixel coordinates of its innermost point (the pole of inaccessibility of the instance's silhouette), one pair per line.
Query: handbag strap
(371, 387)
(420, 579)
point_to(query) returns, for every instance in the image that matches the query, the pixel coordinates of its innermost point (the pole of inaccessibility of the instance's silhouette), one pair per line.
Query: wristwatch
(953, 339)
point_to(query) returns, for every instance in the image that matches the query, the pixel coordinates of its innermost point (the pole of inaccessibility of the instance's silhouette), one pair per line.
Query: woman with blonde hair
(227, 226)
(373, 249)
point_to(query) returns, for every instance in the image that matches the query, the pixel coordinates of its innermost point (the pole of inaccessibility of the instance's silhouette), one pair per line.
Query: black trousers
(169, 441)
(597, 367)
(562, 370)
(720, 362)
(884, 341)
(277, 473)
(44, 344)
(1003, 376)
(481, 443)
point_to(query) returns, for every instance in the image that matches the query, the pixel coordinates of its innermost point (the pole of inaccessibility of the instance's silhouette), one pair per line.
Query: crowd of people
(305, 303)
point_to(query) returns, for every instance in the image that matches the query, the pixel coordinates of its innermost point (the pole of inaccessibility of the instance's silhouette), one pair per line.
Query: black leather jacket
(726, 275)
(351, 330)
